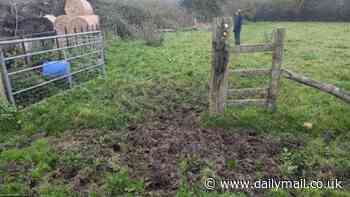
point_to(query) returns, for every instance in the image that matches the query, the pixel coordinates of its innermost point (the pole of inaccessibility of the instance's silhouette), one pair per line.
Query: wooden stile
(219, 92)
(262, 97)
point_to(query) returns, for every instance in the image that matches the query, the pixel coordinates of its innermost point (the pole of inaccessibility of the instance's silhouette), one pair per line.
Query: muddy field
(168, 149)
(146, 131)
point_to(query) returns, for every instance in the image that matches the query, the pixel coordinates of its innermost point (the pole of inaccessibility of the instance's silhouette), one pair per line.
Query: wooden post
(67, 39)
(220, 59)
(115, 34)
(75, 37)
(276, 70)
(57, 41)
(27, 59)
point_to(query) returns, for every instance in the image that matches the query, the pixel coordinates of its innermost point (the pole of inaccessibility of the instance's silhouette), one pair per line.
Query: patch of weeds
(194, 173)
(31, 164)
(318, 160)
(72, 160)
(196, 169)
(290, 163)
(48, 190)
(191, 164)
(14, 189)
(232, 164)
(39, 152)
(120, 184)
(9, 118)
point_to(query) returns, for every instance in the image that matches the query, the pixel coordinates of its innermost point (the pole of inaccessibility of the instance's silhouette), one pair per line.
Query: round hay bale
(33, 25)
(78, 7)
(85, 23)
(62, 23)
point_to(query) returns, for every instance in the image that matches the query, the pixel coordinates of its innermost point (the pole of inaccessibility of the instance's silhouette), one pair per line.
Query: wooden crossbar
(247, 102)
(248, 92)
(253, 48)
(251, 72)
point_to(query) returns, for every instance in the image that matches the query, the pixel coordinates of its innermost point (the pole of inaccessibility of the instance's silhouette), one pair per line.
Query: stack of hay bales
(79, 17)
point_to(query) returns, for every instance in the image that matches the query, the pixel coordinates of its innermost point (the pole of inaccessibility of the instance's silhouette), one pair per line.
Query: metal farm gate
(35, 68)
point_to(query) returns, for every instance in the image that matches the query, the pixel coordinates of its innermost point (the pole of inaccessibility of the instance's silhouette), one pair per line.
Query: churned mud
(165, 151)
(158, 149)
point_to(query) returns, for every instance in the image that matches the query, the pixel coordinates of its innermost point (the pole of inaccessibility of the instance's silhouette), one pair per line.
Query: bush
(150, 34)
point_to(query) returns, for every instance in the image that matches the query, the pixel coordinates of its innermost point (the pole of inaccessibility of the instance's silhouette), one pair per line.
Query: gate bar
(8, 86)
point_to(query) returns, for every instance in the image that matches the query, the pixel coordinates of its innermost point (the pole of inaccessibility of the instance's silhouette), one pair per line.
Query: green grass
(144, 80)
(139, 77)
(32, 163)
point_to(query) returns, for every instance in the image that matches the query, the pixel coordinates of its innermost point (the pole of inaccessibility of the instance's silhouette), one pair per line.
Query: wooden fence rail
(253, 48)
(251, 72)
(324, 87)
(248, 92)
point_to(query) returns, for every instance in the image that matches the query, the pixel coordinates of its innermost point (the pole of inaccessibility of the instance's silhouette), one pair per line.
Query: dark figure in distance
(238, 21)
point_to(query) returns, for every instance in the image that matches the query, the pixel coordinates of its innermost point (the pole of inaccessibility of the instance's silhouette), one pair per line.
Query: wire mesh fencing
(36, 68)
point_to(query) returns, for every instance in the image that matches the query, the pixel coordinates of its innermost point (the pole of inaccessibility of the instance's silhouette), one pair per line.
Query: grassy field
(144, 82)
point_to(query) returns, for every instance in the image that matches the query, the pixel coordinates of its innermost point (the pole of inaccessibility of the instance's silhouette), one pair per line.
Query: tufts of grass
(33, 163)
(48, 190)
(120, 184)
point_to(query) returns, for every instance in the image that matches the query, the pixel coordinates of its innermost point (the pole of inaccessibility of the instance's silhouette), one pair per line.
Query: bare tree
(14, 6)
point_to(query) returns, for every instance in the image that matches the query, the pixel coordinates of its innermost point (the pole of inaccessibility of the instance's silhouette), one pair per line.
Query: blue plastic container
(56, 68)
